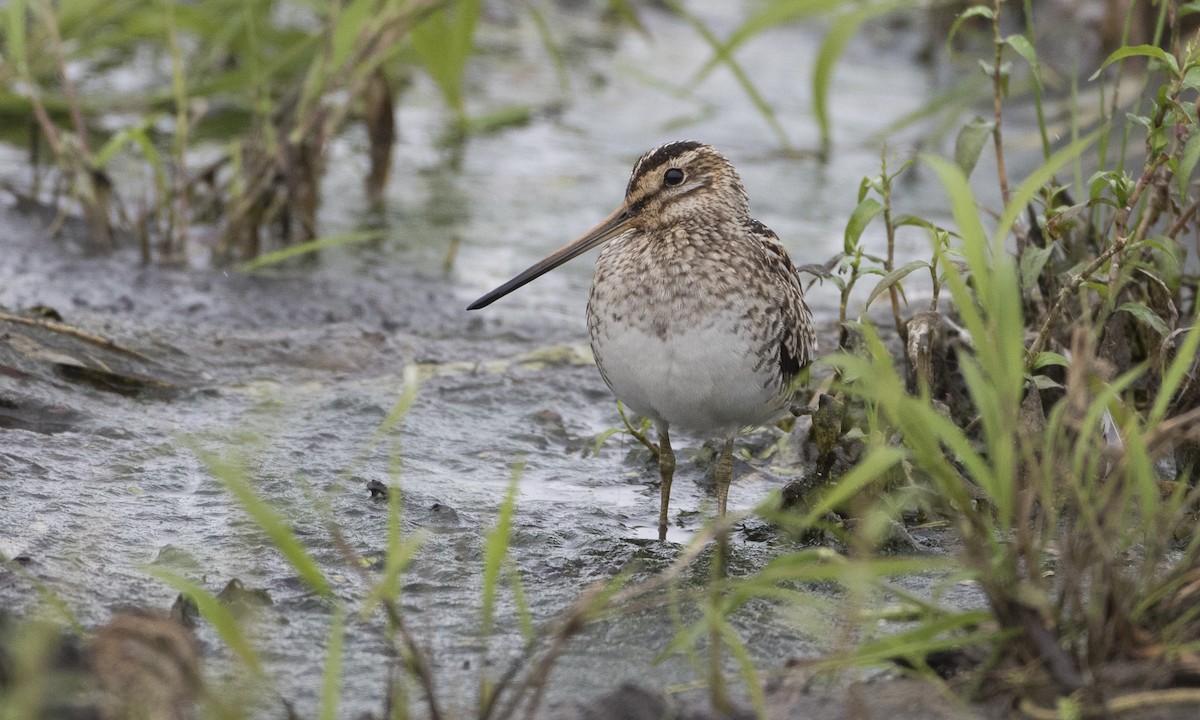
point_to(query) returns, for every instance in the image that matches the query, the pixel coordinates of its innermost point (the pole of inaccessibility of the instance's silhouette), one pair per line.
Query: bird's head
(683, 181)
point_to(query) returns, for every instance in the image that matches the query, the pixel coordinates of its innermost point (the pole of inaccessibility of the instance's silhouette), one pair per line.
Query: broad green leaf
(912, 221)
(1047, 358)
(859, 219)
(1032, 262)
(604, 436)
(982, 11)
(1142, 312)
(970, 143)
(1151, 51)
(1041, 382)
(894, 277)
(348, 29)
(1187, 162)
(1022, 45)
(444, 42)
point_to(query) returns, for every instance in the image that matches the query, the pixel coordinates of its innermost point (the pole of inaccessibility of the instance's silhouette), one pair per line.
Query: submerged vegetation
(1042, 403)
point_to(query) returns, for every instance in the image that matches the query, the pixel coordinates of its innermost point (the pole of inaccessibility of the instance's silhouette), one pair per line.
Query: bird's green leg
(666, 471)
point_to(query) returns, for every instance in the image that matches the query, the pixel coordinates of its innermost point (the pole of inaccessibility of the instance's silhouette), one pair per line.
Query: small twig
(1182, 221)
(64, 329)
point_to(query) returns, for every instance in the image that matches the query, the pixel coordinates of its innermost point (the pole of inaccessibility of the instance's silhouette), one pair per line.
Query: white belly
(700, 379)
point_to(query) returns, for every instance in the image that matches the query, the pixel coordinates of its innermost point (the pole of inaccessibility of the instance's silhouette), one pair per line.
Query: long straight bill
(610, 227)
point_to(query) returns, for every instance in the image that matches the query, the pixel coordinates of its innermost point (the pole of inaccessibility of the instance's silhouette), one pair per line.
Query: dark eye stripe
(658, 157)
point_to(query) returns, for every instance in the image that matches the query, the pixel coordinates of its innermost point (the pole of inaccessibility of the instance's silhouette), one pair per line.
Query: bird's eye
(673, 176)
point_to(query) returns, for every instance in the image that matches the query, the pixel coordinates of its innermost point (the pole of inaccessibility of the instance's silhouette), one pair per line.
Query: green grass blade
(1187, 163)
(750, 676)
(330, 683)
(219, 616)
(524, 611)
(553, 48)
(15, 21)
(624, 10)
(772, 14)
(952, 103)
(824, 564)
(234, 478)
(966, 218)
(278, 256)
(949, 633)
(832, 47)
(861, 476)
(496, 549)
(764, 108)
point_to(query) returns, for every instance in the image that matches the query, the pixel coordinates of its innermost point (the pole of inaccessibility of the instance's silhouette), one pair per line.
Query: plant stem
(998, 114)
(890, 263)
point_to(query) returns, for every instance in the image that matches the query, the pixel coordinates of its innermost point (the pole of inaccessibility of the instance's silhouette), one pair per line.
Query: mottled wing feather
(797, 338)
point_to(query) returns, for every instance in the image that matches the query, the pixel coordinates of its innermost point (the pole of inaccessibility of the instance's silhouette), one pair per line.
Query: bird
(696, 314)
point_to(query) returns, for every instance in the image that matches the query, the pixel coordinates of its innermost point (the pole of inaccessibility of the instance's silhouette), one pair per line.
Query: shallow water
(296, 370)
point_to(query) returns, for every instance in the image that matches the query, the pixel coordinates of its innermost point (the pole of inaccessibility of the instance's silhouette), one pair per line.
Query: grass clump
(1048, 414)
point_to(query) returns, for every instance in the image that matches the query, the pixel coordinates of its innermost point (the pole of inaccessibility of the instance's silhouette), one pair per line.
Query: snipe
(697, 315)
